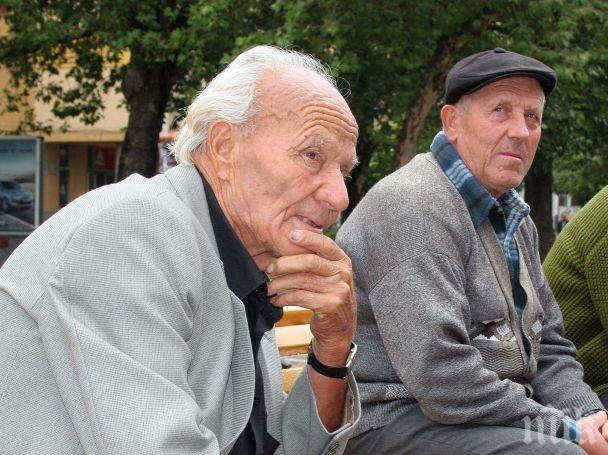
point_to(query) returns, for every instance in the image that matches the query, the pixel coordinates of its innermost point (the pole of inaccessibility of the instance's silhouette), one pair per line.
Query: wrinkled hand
(595, 434)
(322, 281)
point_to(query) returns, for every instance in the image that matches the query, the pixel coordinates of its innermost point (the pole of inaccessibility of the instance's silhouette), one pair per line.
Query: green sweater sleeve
(596, 270)
(577, 271)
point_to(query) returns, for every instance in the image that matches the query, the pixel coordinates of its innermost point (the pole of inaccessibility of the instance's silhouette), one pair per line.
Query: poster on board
(20, 189)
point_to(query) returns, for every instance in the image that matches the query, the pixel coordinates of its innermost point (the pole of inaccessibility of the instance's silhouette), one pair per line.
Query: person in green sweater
(577, 270)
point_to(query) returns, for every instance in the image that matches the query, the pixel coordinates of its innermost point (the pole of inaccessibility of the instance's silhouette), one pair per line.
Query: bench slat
(289, 377)
(294, 315)
(293, 339)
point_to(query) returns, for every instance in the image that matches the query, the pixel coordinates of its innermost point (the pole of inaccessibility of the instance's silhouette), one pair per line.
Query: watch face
(351, 356)
(332, 372)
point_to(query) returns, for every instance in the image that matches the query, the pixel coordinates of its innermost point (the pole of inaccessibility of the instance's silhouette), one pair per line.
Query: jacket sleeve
(303, 431)
(559, 380)
(115, 323)
(426, 338)
(293, 419)
(596, 270)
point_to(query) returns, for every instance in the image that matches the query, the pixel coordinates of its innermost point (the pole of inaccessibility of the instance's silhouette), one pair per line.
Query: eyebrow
(316, 139)
(499, 100)
(352, 165)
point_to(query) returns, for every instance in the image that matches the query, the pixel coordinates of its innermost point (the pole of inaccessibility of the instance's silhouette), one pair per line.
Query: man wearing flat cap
(461, 346)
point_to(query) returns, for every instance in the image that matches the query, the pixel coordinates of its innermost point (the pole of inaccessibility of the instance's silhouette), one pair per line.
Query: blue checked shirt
(505, 213)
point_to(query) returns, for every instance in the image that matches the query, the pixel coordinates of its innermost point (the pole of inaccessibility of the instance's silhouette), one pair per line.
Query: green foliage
(581, 176)
(576, 116)
(381, 51)
(96, 40)
(385, 50)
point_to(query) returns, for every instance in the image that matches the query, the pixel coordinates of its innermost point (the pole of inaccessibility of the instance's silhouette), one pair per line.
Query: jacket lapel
(186, 182)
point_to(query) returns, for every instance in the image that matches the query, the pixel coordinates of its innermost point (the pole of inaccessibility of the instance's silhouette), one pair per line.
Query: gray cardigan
(437, 326)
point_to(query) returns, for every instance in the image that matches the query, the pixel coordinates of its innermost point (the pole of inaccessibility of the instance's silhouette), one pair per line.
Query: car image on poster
(20, 190)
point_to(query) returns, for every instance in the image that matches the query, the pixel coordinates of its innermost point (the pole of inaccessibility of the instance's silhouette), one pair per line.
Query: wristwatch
(332, 372)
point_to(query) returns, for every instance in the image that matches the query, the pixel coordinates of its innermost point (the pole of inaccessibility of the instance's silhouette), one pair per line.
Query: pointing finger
(317, 243)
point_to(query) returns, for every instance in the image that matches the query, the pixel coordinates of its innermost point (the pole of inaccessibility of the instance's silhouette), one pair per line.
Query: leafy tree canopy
(389, 55)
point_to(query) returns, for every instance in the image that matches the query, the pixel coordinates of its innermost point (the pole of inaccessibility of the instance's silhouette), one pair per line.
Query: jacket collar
(187, 184)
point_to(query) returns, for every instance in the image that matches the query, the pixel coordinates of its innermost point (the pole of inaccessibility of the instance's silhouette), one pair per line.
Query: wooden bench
(290, 375)
(293, 337)
(294, 315)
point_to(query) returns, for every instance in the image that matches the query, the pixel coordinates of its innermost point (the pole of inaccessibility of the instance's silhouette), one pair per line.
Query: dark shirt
(248, 283)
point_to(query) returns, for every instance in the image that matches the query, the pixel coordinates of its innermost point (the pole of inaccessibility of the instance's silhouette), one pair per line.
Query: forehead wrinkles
(525, 89)
(330, 116)
(298, 97)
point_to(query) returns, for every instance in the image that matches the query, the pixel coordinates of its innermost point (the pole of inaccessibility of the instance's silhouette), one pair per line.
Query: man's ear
(450, 118)
(221, 148)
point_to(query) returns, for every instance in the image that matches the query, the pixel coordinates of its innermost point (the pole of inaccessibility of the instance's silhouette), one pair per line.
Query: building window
(102, 165)
(64, 175)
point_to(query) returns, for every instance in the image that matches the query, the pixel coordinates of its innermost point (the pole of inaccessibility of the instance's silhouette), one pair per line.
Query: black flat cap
(477, 70)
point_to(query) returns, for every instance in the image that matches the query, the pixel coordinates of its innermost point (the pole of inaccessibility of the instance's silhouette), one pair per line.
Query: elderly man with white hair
(138, 319)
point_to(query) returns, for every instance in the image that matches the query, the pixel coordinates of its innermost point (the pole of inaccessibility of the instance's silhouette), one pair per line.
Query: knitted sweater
(437, 325)
(577, 270)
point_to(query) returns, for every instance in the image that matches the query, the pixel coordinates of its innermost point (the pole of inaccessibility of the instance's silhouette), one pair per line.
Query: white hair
(231, 94)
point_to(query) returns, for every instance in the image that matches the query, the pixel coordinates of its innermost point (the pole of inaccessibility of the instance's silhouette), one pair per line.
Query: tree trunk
(539, 195)
(356, 184)
(147, 88)
(425, 98)
(429, 89)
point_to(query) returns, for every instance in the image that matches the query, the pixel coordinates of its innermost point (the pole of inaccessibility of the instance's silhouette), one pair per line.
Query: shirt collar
(478, 200)
(242, 273)
(513, 206)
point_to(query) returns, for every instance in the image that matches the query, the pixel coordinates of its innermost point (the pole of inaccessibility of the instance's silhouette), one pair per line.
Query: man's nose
(333, 191)
(518, 127)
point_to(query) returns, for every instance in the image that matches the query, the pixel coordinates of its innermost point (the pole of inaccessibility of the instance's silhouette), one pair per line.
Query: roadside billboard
(20, 189)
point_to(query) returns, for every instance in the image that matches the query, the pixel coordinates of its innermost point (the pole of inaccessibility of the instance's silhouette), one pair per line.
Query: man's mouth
(309, 222)
(519, 156)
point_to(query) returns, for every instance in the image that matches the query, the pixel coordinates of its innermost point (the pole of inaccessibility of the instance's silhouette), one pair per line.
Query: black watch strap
(332, 372)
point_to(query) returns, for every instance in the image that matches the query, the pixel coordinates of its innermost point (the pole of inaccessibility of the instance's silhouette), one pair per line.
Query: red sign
(104, 158)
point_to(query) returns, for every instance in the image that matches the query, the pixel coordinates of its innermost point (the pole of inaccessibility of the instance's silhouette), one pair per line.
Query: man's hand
(323, 282)
(595, 434)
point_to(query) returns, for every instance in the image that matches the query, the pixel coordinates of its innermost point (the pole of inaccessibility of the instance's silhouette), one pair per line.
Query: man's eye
(345, 174)
(532, 115)
(311, 155)
(498, 109)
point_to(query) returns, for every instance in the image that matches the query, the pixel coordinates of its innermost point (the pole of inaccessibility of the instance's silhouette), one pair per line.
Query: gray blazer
(119, 335)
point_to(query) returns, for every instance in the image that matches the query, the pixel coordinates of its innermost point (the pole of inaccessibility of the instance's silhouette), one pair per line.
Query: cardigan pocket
(495, 329)
(498, 347)
(502, 357)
